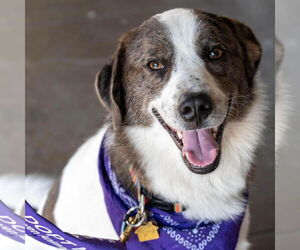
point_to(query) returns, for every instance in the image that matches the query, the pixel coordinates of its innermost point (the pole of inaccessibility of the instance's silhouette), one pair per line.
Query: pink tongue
(200, 147)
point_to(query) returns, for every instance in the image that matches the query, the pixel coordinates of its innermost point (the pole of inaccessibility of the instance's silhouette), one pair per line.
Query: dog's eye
(216, 53)
(155, 65)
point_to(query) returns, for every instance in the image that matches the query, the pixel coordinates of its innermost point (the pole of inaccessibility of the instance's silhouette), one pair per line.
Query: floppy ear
(249, 43)
(110, 89)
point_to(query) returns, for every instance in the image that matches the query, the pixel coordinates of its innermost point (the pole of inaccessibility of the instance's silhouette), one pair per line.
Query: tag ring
(140, 221)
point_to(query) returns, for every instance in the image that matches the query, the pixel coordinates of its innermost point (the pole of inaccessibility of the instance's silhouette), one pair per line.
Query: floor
(287, 166)
(68, 42)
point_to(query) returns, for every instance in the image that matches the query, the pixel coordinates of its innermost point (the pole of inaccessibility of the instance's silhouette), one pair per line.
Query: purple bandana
(175, 231)
(11, 225)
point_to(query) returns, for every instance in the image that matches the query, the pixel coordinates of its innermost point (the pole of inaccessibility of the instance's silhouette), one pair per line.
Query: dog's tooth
(179, 134)
(213, 132)
(187, 156)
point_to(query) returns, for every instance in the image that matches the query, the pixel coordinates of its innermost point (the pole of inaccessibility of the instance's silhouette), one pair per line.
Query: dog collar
(153, 201)
(150, 199)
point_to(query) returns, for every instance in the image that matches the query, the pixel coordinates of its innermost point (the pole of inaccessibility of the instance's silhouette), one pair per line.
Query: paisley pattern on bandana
(119, 190)
(197, 238)
(175, 230)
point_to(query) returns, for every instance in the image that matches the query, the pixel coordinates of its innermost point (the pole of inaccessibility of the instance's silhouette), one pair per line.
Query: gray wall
(68, 42)
(12, 88)
(287, 165)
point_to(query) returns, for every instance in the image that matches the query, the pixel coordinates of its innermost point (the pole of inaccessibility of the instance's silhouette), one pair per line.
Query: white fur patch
(183, 27)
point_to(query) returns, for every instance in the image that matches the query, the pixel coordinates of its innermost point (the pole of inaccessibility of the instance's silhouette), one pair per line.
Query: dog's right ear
(109, 82)
(109, 88)
(102, 84)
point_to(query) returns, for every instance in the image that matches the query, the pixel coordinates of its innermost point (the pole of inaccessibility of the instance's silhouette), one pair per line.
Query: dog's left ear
(249, 43)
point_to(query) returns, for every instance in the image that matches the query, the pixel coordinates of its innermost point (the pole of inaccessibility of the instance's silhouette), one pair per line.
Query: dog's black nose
(196, 108)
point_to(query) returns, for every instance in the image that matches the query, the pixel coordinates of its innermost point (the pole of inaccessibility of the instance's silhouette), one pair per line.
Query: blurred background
(67, 43)
(12, 88)
(12, 96)
(12, 111)
(287, 163)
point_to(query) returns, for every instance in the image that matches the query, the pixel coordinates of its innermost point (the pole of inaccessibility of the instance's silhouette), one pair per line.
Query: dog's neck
(123, 156)
(215, 196)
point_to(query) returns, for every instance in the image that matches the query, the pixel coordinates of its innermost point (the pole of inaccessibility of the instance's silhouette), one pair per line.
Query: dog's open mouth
(201, 148)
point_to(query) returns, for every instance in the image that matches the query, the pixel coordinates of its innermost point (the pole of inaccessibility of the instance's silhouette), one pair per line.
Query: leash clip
(135, 221)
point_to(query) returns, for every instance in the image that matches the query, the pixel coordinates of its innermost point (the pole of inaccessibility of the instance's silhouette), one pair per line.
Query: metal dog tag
(148, 231)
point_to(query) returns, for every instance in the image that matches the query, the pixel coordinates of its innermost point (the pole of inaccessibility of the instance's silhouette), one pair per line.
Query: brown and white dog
(181, 75)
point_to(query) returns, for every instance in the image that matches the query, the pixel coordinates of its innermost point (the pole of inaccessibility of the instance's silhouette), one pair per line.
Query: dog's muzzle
(200, 147)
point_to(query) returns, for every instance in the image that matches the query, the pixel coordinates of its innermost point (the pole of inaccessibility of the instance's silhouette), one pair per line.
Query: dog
(187, 112)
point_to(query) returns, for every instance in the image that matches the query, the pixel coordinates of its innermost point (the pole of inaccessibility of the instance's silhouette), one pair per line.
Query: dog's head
(188, 70)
